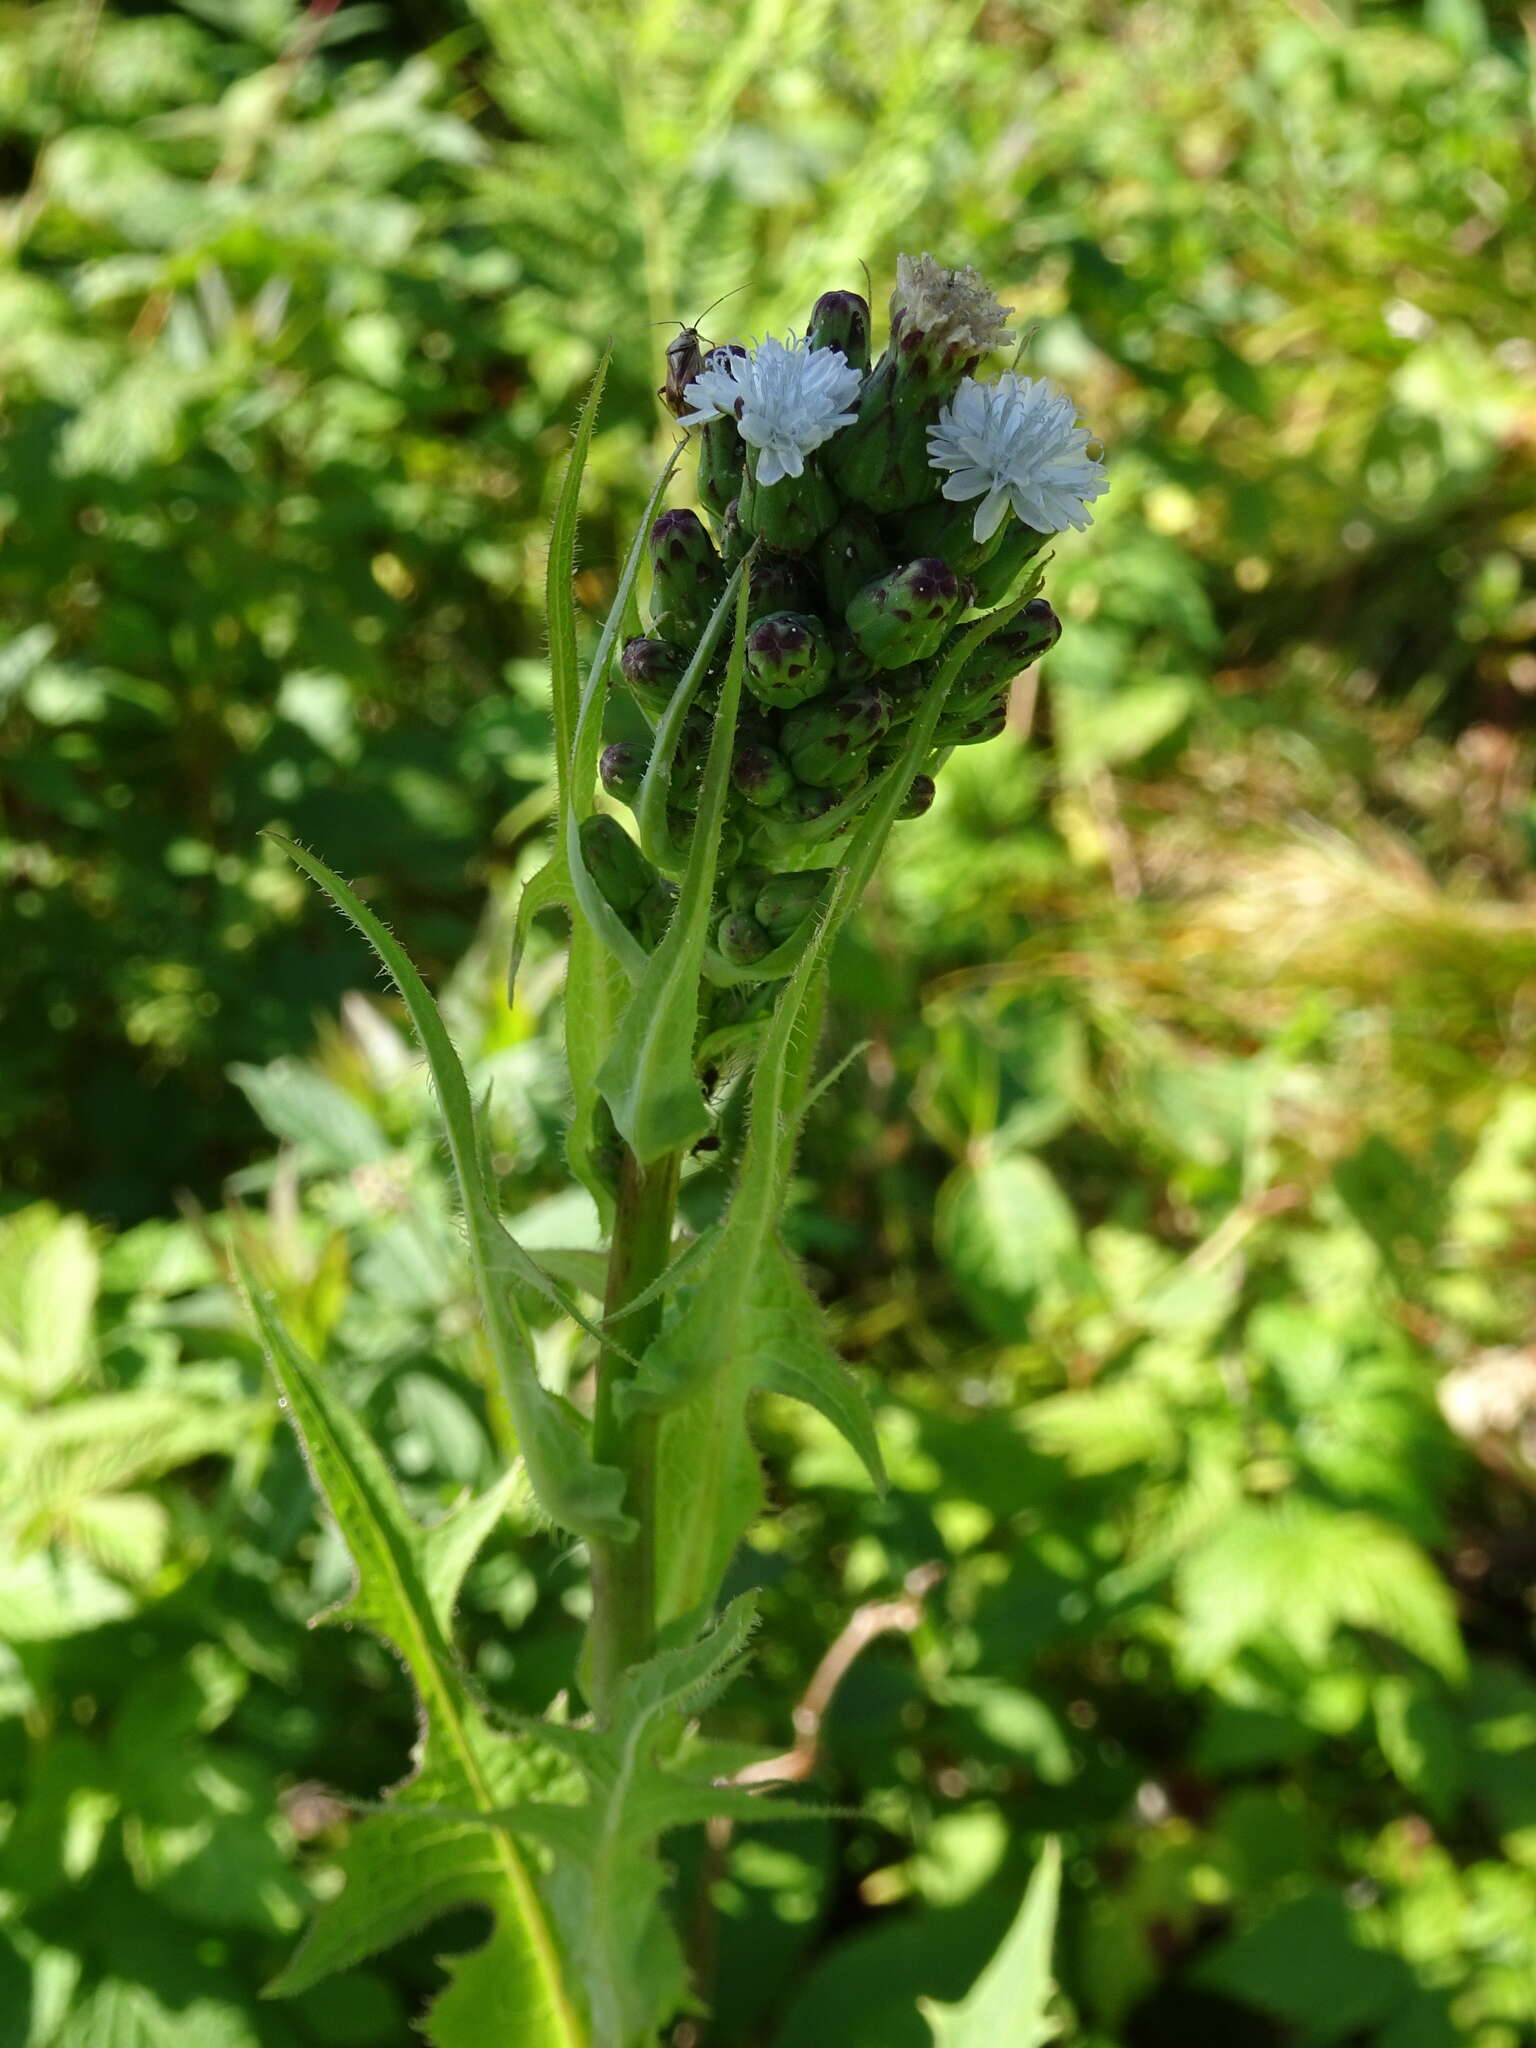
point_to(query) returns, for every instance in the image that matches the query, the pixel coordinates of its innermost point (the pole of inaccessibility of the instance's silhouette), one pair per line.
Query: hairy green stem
(624, 1574)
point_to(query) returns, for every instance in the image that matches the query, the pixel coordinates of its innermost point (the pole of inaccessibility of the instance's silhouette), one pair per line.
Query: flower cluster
(785, 397)
(851, 490)
(1017, 443)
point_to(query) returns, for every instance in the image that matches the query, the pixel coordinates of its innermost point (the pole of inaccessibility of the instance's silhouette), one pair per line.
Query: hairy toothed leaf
(607, 1879)
(572, 1490)
(595, 993)
(763, 1334)
(1006, 2005)
(407, 1865)
(648, 1078)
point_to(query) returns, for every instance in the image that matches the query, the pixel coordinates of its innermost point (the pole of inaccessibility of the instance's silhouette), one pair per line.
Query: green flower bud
(975, 720)
(841, 320)
(942, 323)
(1029, 634)
(653, 913)
(791, 513)
(850, 664)
(687, 575)
(919, 797)
(618, 867)
(651, 668)
(827, 742)
(734, 537)
(789, 659)
(776, 583)
(903, 687)
(728, 851)
(807, 806)
(741, 939)
(761, 774)
(786, 901)
(622, 769)
(738, 1005)
(998, 575)
(741, 887)
(900, 617)
(722, 453)
(850, 554)
(944, 529)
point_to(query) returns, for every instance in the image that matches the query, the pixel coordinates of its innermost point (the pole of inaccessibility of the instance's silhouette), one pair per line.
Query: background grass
(1180, 1215)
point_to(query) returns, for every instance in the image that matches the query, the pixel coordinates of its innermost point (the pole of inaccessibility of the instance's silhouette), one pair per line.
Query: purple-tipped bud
(806, 806)
(687, 575)
(761, 774)
(1027, 635)
(789, 659)
(621, 769)
(827, 741)
(777, 583)
(919, 797)
(841, 320)
(651, 669)
(900, 617)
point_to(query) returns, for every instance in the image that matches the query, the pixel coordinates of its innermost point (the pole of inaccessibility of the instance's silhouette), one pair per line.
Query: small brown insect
(685, 358)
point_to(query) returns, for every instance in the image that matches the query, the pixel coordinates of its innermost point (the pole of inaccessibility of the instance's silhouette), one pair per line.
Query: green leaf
(559, 607)
(51, 1343)
(745, 1329)
(407, 1865)
(1421, 1739)
(1004, 1229)
(569, 1487)
(1305, 1964)
(332, 1130)
(549, 889)
(648, 1078)
(119, 2014)
(1296, 1572)
(46, 1596)
(1006, 2007)
(608, 1879)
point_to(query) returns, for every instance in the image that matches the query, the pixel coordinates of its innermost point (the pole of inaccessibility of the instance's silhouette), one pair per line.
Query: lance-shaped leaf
(652, 804)
(409, 1864)
(648, 1078)
(548, 889)
(578, 790)
(572, 1490)
(1006, 2006)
